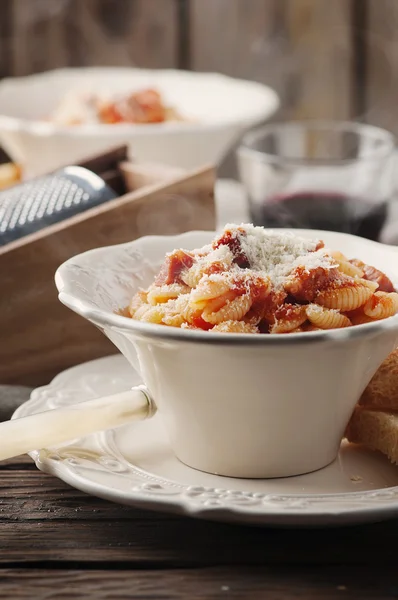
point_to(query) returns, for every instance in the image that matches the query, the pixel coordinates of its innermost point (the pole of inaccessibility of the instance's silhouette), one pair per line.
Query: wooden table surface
(57, 542)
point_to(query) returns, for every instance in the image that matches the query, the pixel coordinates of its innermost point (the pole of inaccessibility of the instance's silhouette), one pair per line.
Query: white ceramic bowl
(221, 107)
(239, 405)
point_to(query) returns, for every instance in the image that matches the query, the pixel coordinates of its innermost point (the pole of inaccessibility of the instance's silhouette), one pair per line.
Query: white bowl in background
(221, 108)
(240, 405)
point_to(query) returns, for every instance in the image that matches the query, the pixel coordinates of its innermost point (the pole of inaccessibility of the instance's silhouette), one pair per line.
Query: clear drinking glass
(324, 175)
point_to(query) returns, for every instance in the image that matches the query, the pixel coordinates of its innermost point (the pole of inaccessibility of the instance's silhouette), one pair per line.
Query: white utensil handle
(59, 425)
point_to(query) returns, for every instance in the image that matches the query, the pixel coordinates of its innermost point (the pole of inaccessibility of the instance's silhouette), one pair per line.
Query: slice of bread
(375, 429)
(382, 391)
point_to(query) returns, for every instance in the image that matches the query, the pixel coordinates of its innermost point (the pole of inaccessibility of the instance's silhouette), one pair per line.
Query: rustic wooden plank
(302, 48)
(182, 543)
(29, 495)
(93, 32)
(380, 45)
(43, 519)
(197, 584)
(18, 462)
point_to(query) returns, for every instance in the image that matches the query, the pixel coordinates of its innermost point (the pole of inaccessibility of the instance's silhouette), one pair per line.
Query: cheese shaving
(278, 254)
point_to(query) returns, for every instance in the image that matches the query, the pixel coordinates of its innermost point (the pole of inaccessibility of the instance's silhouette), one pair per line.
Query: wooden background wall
(326, 58)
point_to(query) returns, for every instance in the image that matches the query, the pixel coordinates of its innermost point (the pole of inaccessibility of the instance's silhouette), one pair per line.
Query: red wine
(325, 211)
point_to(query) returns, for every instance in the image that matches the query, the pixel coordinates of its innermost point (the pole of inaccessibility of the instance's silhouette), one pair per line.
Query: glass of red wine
(326, 175)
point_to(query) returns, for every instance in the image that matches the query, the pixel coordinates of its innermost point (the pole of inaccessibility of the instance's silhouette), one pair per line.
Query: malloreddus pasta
(253, 280)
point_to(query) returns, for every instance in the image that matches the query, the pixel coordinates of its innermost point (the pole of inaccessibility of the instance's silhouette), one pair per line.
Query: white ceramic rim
(151, 330)
(43, 129)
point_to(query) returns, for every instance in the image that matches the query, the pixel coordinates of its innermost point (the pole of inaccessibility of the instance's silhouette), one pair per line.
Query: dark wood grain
(58, 543)
(302, 48)
(177, 542)
(197, 584)
(45, 521)
(62, 33)
(380, 43)
(6, 29)
(23, 461)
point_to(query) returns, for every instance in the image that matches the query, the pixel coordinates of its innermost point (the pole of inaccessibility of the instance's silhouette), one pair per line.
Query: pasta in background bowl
(215, 109)
(236, 404)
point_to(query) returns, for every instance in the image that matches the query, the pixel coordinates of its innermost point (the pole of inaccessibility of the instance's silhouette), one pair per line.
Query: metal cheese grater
(33, 205)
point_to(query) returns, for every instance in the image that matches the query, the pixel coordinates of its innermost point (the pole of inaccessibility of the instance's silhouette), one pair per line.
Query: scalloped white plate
(134, 465)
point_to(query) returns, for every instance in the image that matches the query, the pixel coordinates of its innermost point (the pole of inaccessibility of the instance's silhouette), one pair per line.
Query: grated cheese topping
(278, 254)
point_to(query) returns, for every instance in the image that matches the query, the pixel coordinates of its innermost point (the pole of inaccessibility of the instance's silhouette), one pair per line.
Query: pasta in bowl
(254, 350)
(249, 280)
